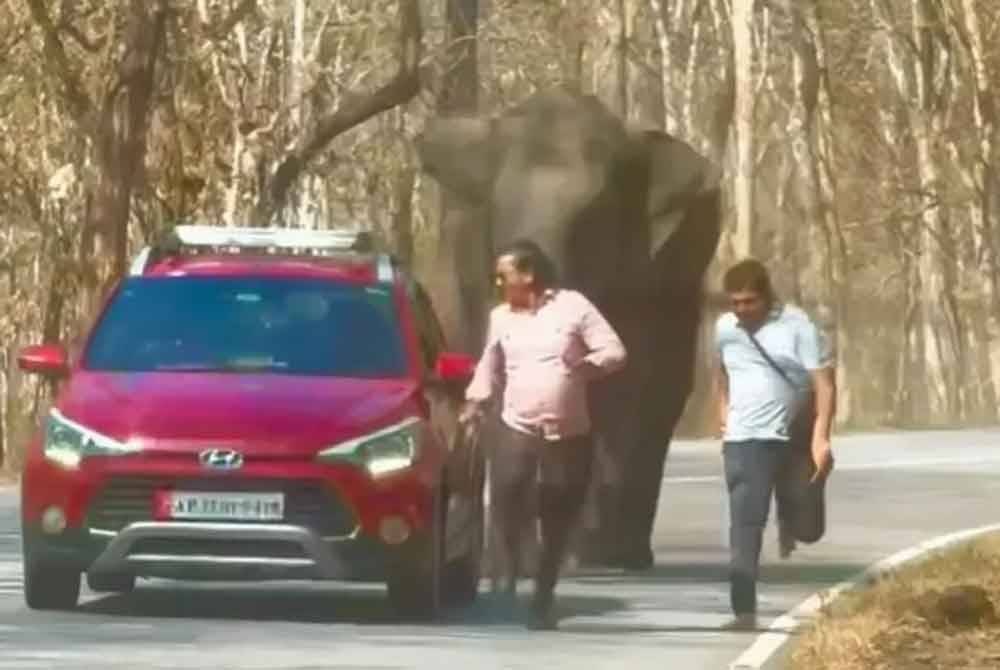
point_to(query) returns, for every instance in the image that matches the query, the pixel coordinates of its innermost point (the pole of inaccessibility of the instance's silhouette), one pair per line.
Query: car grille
(310, 504)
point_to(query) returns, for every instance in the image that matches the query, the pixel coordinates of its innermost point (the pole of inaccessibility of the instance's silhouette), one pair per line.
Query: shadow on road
(820, 574)
(314, 606)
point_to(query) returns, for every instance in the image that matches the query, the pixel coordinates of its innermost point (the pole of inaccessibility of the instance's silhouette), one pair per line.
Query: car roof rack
(296, 241)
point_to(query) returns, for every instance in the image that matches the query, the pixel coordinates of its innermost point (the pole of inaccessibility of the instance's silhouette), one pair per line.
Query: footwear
(741, 622)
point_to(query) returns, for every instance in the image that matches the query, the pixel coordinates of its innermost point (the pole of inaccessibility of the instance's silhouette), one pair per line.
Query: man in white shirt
(762, 386)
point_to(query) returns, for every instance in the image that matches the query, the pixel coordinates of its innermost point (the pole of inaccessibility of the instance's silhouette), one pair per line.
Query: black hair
(528, 256)
(749, 275)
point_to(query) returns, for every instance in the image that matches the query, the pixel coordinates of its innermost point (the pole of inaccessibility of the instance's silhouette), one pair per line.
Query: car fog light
(394, 530)
(53, 520)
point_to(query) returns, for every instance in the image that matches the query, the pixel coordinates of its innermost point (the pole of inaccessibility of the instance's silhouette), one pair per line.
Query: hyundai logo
(221, 459)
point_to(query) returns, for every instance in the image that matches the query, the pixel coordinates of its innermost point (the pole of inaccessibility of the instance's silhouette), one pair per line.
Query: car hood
(264, 413)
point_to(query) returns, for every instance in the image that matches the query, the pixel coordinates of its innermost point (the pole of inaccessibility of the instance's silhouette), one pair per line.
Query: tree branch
(57, 63)
(242, 11)
(356, 109)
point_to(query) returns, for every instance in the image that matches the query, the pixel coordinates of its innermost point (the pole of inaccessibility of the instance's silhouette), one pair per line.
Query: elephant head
(602, 200)
(632, 220)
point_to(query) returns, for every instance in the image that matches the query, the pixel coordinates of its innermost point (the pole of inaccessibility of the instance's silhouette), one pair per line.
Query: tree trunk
(837, 272)
(937, 315)
(984, 211)
(121, 139)
(743, 179)
(659, 10)
(621, 105)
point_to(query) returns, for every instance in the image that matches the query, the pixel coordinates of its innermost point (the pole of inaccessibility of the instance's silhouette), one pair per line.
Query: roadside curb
(766, 651)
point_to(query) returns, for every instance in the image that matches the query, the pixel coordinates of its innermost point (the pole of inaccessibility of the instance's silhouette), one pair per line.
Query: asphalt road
(890, 491)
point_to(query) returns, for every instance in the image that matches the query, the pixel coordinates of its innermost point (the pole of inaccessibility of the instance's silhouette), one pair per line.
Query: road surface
(890, 491)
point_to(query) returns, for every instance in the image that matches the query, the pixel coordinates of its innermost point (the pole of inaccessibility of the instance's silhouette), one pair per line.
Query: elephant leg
(616, 428)
(643, 482)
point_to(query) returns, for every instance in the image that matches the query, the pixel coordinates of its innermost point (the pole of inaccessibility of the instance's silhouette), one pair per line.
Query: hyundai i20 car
(255, 404)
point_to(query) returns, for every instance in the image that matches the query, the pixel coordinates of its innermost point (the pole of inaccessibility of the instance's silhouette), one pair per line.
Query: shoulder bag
(795, 489)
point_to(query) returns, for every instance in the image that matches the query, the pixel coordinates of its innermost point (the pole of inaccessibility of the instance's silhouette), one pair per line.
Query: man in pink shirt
(543, 345)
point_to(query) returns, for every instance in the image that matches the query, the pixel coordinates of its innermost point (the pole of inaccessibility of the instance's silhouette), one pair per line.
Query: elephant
(632, 219)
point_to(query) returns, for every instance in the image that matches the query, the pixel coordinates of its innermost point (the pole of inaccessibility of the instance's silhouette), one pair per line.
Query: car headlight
(67, 442)
(387, 450)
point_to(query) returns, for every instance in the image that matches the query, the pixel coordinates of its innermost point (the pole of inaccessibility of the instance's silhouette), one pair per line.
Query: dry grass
(899, 624)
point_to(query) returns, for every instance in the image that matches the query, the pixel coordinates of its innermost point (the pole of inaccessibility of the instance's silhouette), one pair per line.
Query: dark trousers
(753, 469)
(561, 471)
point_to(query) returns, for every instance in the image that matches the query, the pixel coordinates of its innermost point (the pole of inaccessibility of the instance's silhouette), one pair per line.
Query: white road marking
(848, 467)
(768, 644)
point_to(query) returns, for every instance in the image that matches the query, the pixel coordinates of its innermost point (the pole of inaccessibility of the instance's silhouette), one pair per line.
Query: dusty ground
(937, 614)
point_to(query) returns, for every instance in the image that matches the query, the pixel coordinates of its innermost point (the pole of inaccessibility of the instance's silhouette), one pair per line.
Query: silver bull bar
(120, 556)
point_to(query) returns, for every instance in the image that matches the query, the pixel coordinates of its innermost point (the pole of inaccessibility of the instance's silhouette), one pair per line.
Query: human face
(517, 287)
(750, 307)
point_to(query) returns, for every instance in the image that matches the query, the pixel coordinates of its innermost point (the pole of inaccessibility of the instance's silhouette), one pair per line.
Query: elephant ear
(458, 153)
(678, 176)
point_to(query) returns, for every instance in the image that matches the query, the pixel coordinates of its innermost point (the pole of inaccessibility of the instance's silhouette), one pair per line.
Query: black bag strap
(770, 361)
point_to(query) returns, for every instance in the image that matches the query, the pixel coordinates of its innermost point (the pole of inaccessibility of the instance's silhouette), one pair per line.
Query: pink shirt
(533, 353)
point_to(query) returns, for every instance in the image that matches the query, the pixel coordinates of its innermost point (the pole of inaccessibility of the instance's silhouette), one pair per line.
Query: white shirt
(761, 403)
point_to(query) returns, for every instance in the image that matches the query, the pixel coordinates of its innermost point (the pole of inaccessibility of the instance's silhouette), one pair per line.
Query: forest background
(858, 137)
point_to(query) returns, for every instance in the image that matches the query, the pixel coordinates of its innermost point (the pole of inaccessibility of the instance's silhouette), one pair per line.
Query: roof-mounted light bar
(208, 237)
(273, 238)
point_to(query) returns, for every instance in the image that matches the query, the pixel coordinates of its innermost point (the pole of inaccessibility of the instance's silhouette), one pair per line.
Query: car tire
(415, 585)
(462, 575)
(48, 587)
(111, 583)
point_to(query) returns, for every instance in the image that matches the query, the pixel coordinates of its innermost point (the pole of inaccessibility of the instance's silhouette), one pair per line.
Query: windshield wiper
(224, 366)
(187, 367)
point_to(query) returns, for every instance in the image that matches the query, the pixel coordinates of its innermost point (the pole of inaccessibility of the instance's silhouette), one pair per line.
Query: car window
(237, 324)
(429, 331)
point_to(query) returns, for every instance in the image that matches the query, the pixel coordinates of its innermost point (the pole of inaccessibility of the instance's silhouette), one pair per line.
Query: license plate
(228, 506)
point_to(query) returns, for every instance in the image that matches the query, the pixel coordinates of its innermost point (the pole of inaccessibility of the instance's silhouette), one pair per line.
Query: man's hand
(583, 367)
(822, 455)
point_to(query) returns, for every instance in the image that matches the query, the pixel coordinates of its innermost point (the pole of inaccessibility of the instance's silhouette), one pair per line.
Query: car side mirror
(50, 360)
(454, 368)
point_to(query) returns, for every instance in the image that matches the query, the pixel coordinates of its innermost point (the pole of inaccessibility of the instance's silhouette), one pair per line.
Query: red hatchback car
(255, 404)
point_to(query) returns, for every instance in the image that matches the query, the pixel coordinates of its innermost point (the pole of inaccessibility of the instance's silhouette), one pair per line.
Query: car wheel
(49, 587)
(111, 583)
(415, 585)
(462, 575)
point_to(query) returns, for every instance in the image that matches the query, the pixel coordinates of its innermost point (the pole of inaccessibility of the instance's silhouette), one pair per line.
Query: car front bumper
(219, 551)
(332, 526)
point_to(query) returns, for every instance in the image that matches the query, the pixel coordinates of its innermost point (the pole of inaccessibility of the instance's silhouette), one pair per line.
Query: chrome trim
(349, 537)
(117, 558)
(221, 560)
(201, 235)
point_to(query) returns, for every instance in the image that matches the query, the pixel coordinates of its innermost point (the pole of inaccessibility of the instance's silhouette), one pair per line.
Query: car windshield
(225, 324)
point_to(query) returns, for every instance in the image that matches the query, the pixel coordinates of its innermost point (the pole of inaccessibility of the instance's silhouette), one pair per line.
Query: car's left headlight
(387, 450)
(67, 442)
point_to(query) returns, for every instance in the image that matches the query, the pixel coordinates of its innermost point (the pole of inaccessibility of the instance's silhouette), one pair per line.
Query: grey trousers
(561, 471)
(752, 470)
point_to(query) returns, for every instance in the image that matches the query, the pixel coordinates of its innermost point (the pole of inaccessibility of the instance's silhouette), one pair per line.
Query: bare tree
(116, 125)
(354, 109)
